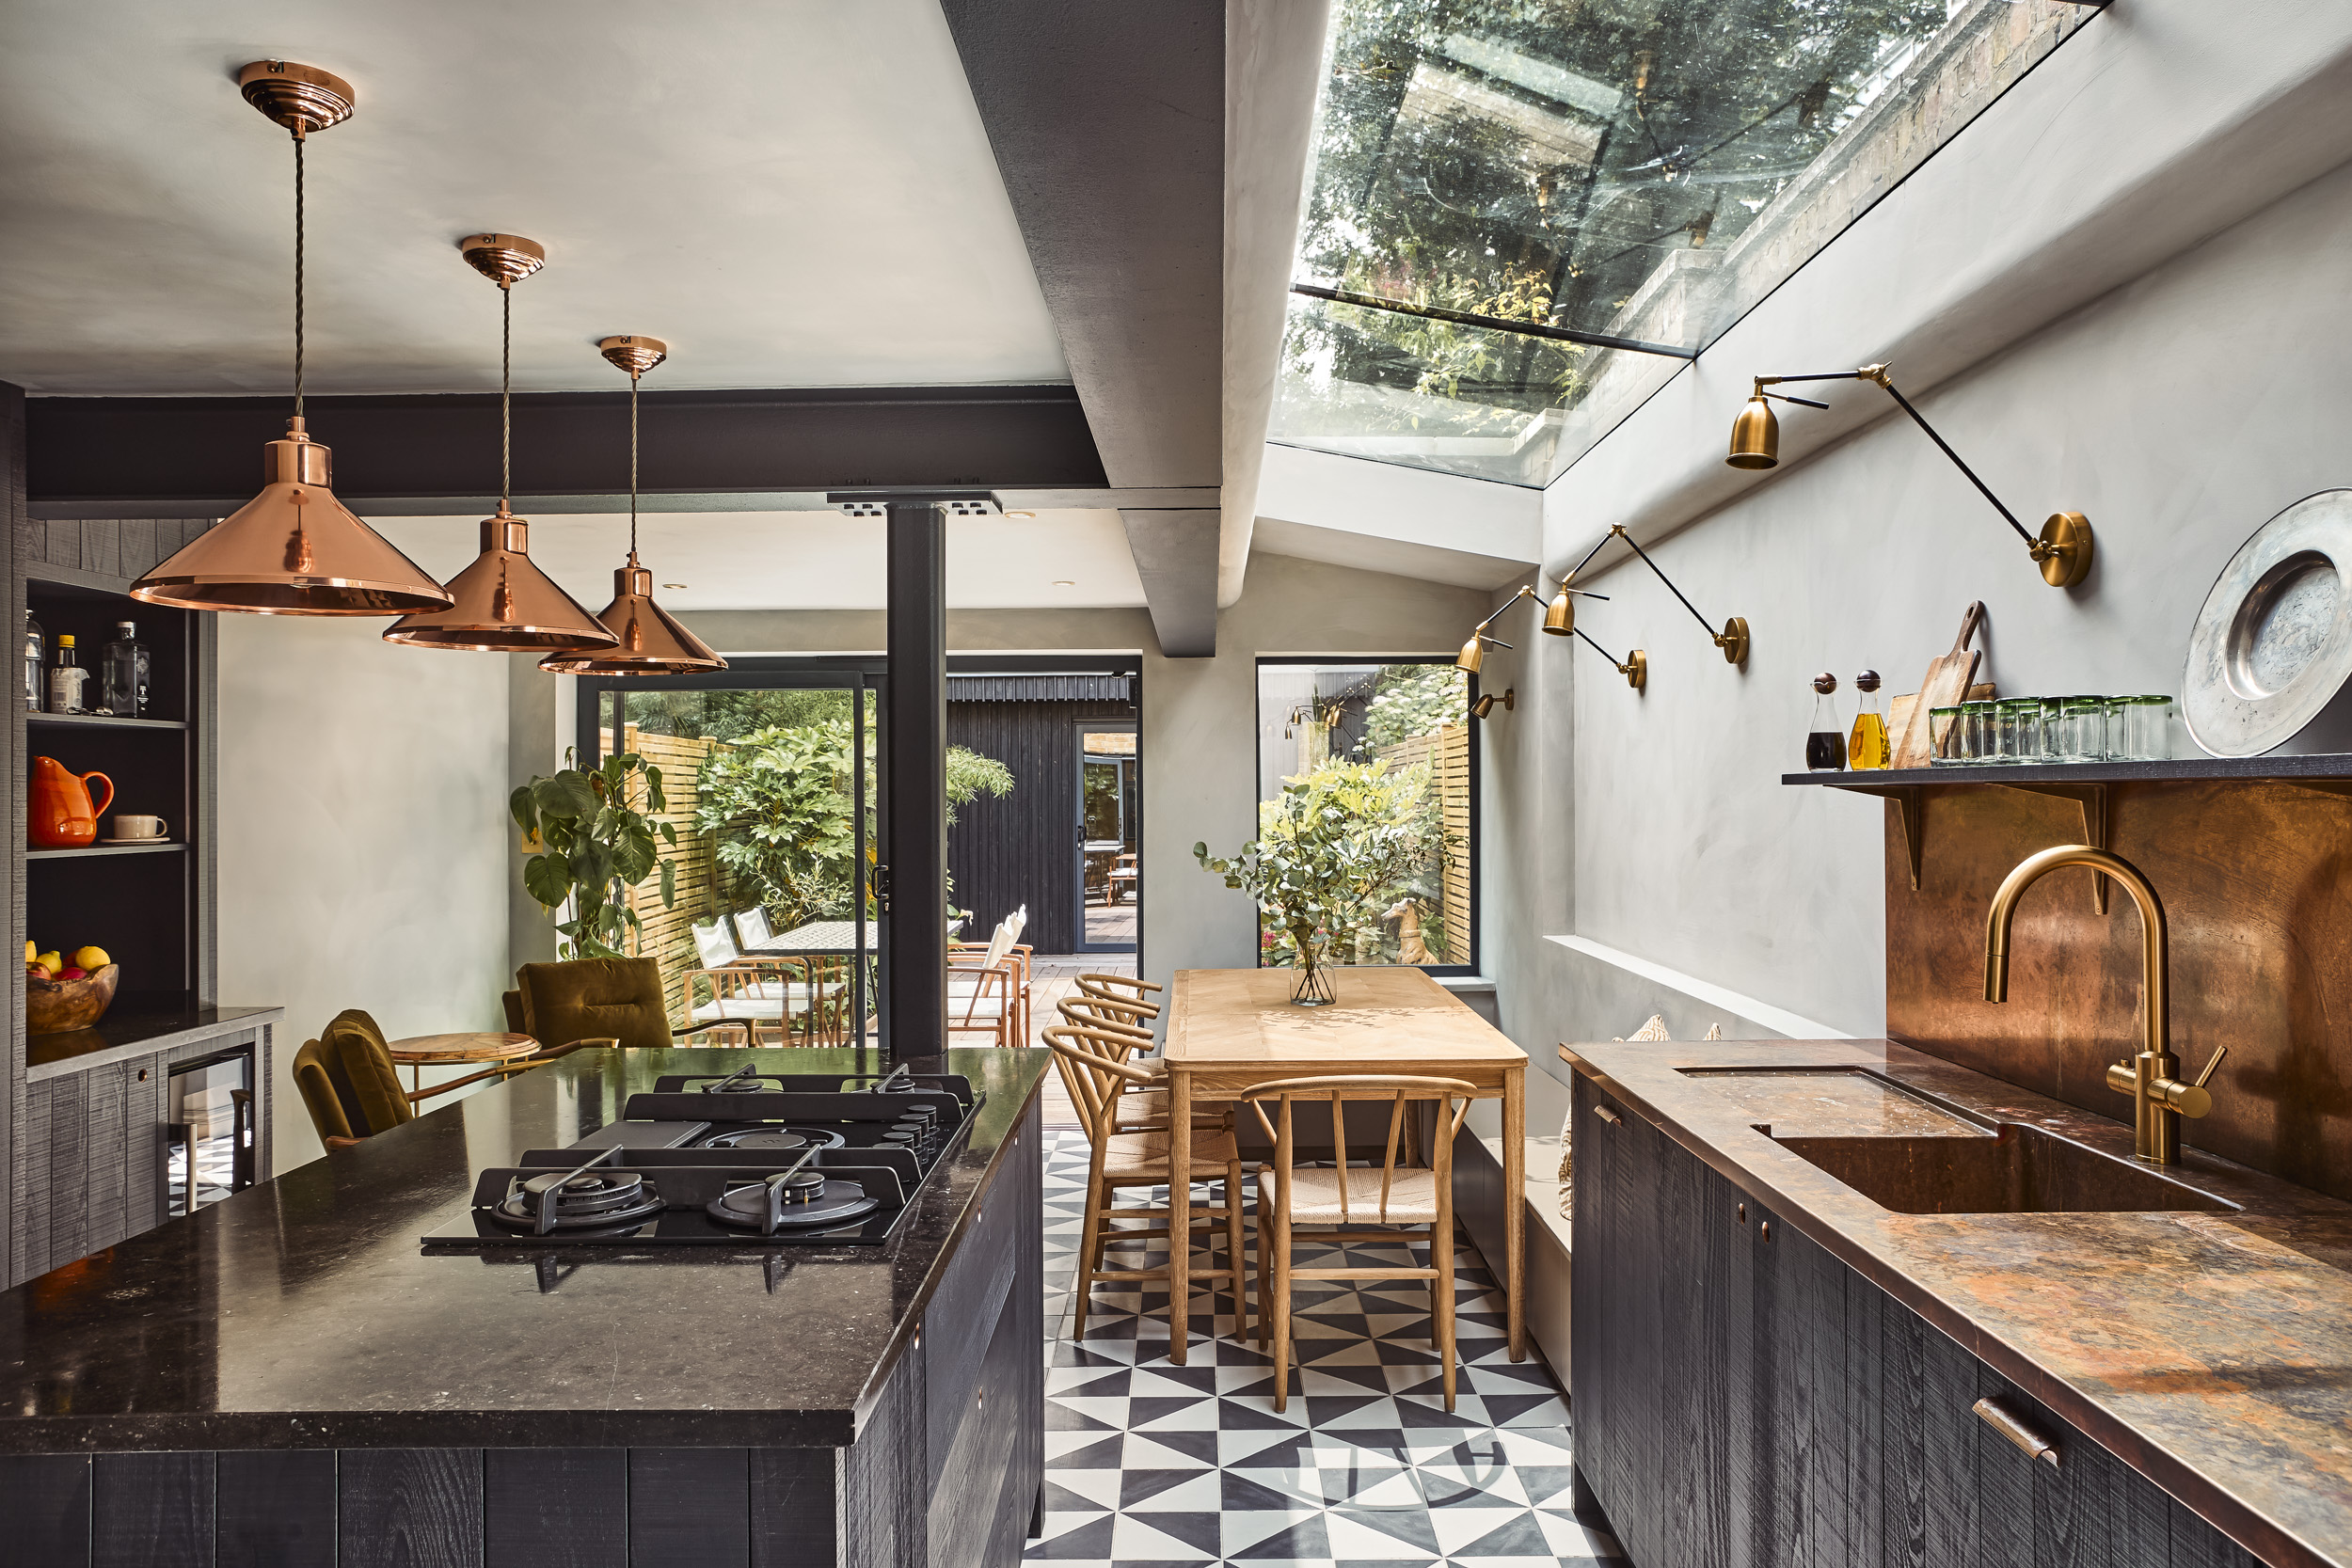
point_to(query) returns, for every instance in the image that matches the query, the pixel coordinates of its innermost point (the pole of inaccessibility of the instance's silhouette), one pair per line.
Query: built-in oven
(210, 1139)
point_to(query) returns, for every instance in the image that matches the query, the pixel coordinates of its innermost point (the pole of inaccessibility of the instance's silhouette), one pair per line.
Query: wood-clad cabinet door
(91, 1167)
(1617, 1353)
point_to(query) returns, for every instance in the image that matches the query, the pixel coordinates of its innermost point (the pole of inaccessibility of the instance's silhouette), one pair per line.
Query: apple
(70, 974)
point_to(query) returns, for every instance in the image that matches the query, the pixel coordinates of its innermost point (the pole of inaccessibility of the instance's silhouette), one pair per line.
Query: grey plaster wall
(1200, 715)
(2178, 410)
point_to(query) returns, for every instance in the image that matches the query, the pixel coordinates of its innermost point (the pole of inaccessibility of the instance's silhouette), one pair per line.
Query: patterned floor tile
(1149, 1463)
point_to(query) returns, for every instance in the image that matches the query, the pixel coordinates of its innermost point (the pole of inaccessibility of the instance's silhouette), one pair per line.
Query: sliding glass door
(768, 774)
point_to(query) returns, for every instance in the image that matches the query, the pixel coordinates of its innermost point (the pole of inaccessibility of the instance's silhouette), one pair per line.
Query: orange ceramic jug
(62, 815)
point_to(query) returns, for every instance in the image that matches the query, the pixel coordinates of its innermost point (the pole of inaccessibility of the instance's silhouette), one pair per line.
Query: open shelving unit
(2087, 783)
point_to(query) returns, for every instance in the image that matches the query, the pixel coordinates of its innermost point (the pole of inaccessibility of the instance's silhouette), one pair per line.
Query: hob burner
(578, 1200)
(785, 1139)
(794, 1199)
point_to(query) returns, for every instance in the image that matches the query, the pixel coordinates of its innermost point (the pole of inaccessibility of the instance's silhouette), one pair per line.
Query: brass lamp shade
(1473, 654)
(503, 603)
(1560, 615)
(294, 549)
(1755, 436)
(651, 642)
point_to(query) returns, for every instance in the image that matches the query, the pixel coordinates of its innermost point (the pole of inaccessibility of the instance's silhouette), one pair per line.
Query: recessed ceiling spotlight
(1064, 582)
(673, 585)
(1021, 514)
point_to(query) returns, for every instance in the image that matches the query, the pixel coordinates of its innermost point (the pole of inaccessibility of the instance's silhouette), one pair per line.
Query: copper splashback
(2256, 880)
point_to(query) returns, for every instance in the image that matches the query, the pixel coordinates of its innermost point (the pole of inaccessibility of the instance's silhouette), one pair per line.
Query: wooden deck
(1053, 977)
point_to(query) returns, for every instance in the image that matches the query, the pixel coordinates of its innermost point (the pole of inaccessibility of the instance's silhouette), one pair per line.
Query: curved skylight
(1636, 174)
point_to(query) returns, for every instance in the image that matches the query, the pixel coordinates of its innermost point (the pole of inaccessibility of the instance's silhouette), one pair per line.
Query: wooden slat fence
(1447, 753)
(668, 934)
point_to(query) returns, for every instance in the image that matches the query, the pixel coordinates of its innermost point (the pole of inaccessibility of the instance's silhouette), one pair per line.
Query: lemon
(92, 958)
(51, 961)
(32, 952)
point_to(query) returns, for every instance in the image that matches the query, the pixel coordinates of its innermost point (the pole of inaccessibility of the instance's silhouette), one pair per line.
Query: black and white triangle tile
(1148, 1462)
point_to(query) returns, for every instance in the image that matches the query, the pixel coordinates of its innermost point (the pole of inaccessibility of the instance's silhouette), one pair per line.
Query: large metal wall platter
(2271, 655)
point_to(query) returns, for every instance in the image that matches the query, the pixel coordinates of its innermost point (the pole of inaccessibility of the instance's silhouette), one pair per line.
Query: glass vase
(1314, 978)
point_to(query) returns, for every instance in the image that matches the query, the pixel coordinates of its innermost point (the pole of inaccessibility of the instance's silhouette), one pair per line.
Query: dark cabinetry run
(1745, 1399)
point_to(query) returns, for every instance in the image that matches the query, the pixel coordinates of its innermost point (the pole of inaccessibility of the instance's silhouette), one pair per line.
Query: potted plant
(1325, 853)
(596, 844)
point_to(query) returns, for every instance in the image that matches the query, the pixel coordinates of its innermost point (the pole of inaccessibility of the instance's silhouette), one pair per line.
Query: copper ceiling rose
(503, 603)
(652, 642)
(294, 549)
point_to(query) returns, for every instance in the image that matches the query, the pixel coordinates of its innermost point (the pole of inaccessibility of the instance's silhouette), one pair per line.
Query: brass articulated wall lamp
(1485, 705)
(2063, 548)
(1559, 621)
(1732, 639)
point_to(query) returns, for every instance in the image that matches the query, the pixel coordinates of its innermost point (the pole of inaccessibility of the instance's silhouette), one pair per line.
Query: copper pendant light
(651, 640)
(294, 549)
(503, 604)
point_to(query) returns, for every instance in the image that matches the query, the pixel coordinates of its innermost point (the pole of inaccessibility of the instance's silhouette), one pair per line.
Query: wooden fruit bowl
(53, 1007)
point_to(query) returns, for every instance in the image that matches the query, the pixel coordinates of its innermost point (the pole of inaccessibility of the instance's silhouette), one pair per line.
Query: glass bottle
(66, 679)
(35, 662)
(122, 671)
(1868, 746)
(1825, 742)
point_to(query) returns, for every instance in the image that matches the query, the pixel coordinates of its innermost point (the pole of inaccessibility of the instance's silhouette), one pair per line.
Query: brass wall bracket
(2092, 798)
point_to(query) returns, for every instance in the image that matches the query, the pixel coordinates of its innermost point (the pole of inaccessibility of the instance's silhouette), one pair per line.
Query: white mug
(139, 827)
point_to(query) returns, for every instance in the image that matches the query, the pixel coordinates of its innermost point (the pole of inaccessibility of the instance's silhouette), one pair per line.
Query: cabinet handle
(2019, 1431)
(1742, 1210)
(1607, 1115)
(1764, 1228)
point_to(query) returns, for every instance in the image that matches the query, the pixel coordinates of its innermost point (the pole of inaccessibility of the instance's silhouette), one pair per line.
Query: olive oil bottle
(1867, 747)
(1825, 741)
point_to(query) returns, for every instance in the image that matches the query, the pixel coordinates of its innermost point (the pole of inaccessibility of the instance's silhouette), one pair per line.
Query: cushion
(361, 1064)
(713, 945)
(751, 926)
(318, 1092)
(595, 999)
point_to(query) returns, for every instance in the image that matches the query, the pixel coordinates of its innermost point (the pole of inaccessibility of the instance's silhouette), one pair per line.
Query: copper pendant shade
(651, 640)
(503, 603)
(294, 549)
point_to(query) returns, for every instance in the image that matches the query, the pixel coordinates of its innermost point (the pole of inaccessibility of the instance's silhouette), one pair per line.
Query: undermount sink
(2020, 1170)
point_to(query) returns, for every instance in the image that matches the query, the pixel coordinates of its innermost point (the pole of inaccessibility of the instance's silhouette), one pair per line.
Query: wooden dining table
(1230, 1030)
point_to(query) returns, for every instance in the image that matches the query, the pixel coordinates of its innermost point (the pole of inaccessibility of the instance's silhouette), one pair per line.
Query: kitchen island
(287, 1377)
(1841, 1302)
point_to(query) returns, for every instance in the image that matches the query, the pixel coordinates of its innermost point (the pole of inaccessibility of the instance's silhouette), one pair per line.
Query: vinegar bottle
(1825, 742)
(1867, 747)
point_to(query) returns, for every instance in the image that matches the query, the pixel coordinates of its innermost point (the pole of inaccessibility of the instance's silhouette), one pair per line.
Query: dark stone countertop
(134, 1028)
(303, 1313)
(2211, 1352)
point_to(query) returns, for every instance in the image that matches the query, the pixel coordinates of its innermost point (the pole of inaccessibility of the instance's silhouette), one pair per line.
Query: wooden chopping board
(1946, 681)
(1898, 713)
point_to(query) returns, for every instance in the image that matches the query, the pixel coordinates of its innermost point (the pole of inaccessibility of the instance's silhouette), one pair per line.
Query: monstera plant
(594, 844)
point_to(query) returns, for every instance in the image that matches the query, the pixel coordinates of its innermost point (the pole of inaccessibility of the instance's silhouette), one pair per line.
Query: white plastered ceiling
(792, 193)
(804, 560)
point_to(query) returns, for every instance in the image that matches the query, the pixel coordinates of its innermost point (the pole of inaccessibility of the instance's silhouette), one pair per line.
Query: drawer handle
(2019, 1431)
(1607, 1115)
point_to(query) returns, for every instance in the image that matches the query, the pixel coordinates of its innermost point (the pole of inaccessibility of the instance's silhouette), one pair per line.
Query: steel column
(915, 758)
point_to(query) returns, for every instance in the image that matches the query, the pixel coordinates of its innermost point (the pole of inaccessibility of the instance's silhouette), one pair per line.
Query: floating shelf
(103, 721)
(2084, 783)
(90, 849)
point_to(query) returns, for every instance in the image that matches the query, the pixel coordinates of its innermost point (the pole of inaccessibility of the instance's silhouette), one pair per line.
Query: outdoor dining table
(818, 938)
(1231, 1030)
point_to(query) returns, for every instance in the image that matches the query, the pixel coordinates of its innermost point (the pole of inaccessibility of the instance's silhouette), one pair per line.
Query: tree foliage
(1333, 853)
(781, 802)
(596, 845)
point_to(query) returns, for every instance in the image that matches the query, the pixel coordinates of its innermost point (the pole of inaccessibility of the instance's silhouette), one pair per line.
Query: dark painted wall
(1024, 848)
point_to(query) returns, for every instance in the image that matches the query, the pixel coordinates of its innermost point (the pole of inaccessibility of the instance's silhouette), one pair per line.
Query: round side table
(419, 1051)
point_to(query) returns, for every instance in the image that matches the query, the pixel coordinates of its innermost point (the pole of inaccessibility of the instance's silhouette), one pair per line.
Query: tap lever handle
(2211, 1063)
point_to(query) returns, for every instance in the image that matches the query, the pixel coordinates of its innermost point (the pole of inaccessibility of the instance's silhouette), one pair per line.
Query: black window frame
(1469, 970)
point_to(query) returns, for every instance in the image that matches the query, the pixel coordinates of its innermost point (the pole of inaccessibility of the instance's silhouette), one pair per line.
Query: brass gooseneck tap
(2158, 1099)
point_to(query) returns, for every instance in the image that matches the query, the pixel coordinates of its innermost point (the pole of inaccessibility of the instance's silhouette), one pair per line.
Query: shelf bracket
(1910, 808)
(2092, 798)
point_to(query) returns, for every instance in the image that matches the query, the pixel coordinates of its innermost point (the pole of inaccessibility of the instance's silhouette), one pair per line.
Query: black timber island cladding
(1024, 847)
(865, 1408)
(84, 1118)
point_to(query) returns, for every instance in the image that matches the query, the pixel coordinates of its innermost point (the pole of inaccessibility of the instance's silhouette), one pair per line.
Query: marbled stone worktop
(303, 1313)
(2212, 1351)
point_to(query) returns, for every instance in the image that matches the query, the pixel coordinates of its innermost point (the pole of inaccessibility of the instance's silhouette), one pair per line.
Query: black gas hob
(745, 1159)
